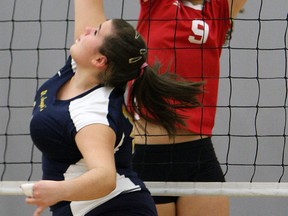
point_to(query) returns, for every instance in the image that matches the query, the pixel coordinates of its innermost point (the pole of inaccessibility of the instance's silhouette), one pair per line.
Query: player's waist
(158, 135)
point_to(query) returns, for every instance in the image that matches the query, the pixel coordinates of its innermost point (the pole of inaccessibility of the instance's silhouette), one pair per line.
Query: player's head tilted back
(114, 48)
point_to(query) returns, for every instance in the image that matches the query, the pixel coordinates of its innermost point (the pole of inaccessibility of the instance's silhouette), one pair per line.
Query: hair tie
(131, 82)
(144, 65)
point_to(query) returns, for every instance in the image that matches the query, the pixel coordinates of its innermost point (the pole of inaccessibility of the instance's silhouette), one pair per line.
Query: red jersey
(187, 39)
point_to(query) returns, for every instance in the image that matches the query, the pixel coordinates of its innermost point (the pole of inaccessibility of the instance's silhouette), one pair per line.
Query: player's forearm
(88, 13)
(95, 183)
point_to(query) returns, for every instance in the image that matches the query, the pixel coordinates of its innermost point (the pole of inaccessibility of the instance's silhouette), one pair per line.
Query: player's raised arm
(88, 13)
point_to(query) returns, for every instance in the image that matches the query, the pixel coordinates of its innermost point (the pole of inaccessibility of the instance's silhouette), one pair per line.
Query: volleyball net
(250, 134)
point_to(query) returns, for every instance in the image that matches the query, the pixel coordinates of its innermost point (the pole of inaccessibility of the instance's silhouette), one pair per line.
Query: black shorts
(193, 161)
(138, 203)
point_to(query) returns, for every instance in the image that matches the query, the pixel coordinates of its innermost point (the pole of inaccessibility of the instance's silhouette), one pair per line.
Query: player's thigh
(203, 206)
(166, 209)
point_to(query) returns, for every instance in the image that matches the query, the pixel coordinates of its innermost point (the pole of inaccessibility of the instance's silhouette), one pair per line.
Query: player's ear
(99, 61)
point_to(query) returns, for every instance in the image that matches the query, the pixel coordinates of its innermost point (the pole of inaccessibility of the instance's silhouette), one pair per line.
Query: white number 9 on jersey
(201, 32)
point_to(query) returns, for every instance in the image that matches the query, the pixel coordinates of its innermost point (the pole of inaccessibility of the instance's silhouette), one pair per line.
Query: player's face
(86, 47)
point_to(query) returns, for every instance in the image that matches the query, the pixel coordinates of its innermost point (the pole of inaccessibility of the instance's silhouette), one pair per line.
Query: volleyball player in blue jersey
(83, 119)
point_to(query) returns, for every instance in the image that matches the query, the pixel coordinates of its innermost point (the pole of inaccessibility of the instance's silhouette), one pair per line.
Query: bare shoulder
(236, 6)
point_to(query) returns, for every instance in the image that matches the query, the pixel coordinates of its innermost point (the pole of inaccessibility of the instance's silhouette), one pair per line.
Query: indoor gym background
(251, 126)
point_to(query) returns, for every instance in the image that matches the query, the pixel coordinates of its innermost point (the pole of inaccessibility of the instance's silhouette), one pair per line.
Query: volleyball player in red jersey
(185, 37)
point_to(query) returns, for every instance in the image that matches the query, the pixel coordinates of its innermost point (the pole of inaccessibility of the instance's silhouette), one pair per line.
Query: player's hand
(44, 194)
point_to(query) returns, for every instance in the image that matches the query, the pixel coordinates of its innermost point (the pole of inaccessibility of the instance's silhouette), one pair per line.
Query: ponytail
(156, 98)
(153, 97)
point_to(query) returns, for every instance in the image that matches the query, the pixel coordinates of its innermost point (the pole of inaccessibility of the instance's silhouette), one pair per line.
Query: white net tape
(262, 189)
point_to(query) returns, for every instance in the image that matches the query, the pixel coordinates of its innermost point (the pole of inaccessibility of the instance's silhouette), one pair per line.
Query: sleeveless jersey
(187, 39)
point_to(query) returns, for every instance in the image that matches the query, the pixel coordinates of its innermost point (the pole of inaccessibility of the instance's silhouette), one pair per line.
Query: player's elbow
(109, 184)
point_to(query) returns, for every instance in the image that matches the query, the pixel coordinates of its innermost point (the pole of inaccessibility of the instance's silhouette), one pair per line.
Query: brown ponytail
(153, 97)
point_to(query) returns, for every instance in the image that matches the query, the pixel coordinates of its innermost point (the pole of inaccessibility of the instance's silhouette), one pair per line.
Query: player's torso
(54, 122)
(180, 33)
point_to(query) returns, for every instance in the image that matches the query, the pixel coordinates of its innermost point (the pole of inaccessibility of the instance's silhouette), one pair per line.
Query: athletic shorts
(193, 161)
(138, 203)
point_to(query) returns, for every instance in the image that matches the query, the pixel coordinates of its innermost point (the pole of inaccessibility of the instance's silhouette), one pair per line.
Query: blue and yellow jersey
(55, 123)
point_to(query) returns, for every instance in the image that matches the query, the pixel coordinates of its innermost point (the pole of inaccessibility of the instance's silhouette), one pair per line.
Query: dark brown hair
(156, 96)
